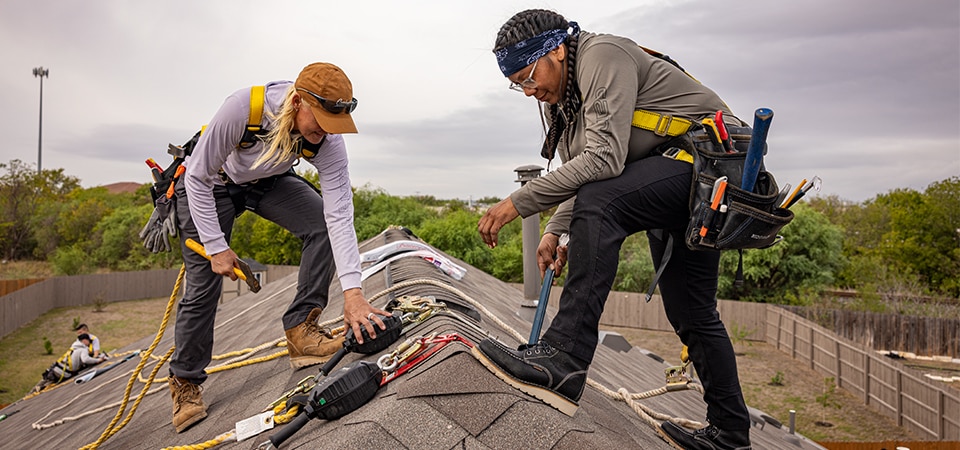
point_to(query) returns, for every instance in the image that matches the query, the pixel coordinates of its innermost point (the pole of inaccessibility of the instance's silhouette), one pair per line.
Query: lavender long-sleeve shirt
(217, 148)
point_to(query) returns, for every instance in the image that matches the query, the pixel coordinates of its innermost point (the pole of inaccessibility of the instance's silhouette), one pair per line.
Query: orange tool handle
(180, 170)
(717, 197)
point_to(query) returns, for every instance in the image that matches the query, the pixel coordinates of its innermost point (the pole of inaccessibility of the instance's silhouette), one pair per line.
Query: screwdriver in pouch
(719, 187)
(724, 135)
(711, 128)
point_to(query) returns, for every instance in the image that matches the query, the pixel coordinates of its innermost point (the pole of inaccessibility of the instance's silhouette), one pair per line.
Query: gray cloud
(866, 93)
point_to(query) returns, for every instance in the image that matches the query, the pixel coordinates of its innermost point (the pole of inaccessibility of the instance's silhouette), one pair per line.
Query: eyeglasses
(528, 83)
(334, 107)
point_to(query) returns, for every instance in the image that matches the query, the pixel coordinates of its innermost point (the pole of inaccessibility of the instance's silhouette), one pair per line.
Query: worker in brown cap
(228, 173)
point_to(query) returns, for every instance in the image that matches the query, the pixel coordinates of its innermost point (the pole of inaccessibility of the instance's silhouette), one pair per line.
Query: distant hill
(124, 187)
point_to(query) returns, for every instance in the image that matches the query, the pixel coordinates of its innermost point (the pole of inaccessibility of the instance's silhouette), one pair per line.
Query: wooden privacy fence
(912, 402)
(8, 286)
(20, 307)
(744, 320)
(929, 336)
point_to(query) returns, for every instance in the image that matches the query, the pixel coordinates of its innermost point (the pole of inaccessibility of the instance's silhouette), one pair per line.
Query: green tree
(375, 211)
(268, 243)
(805, 261)
(455, 233)
(922, 237)
(71, 260)
(116, 242)
(635, 270)
(23, 191)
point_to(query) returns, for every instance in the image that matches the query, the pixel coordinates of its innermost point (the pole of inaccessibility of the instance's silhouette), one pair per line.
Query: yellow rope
(284, 417)
(233, 365)
(225, 437)
(644, 412)
(110, 430)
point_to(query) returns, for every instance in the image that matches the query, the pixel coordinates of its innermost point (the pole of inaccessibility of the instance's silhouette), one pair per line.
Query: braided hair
(527, 24)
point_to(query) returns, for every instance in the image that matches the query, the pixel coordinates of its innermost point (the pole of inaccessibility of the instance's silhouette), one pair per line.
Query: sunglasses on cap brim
(333, 107)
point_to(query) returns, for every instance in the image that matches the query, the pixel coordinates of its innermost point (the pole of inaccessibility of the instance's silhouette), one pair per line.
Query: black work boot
(539, 370)
(707, 438)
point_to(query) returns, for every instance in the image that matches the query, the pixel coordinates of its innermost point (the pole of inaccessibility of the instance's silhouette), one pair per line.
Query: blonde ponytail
(279, 145)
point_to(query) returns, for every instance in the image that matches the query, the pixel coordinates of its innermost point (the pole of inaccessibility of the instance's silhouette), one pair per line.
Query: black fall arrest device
(342, 391)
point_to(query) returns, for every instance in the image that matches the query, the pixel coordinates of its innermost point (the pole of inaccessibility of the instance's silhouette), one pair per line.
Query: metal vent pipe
(531, 238)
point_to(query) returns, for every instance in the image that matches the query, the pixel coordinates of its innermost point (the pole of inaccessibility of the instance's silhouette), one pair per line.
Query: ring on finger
(370, 316)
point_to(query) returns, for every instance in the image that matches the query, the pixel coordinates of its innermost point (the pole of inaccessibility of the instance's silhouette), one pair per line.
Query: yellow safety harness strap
(660, 124)
(256, 108)
(679, 154)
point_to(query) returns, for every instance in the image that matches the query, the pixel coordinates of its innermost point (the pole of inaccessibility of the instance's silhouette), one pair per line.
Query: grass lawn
(23, 357)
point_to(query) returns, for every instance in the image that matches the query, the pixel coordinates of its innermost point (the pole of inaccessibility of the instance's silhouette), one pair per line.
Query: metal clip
(406, 350)
(677, 378)
(303, 386)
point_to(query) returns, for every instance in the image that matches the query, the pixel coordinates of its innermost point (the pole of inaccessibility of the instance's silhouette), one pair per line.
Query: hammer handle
(195, 246)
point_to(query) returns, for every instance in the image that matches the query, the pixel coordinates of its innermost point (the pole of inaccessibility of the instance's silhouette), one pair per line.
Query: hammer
(544, 297)
(243, 272)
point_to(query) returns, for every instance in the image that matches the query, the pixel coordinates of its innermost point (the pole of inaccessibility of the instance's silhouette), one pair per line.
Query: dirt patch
(761, 366)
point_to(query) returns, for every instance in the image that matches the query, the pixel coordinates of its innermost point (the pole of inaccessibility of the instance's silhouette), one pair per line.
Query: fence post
(866, 378)
(940, 418)
(793, 346)
(899, 398)
(813, 348)
(779, 324)
(836, 351)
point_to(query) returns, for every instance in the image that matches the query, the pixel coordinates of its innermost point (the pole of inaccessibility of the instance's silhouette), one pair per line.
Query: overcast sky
(866, 93)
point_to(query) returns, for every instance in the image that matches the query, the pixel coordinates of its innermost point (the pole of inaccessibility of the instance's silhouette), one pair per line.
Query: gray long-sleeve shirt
(78, 360)
(616, 77)
(217, 148)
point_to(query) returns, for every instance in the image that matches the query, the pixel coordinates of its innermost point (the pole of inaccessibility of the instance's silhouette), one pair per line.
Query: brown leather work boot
(188, 407)
(309, 345)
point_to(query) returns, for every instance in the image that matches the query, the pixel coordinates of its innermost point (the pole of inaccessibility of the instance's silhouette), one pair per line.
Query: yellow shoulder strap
(257, 98)
(257, 94)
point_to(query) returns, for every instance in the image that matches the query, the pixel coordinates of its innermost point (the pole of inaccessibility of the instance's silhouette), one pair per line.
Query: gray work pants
(293, 205)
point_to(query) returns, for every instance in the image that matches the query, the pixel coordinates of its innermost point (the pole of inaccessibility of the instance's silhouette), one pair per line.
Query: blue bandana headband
(517, 56)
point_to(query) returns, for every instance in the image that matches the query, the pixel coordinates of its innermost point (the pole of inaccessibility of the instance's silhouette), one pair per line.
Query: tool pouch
(742, 219)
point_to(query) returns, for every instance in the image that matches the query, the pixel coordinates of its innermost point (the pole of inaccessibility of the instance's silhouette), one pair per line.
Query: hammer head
(251, 280)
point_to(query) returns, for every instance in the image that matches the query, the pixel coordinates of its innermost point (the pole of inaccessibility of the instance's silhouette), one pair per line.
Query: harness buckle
(663, 126)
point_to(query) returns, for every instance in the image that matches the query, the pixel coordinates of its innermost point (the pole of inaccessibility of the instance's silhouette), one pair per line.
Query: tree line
(903, 241)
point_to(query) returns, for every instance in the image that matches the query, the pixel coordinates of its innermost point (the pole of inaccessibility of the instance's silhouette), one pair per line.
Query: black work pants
(650, 194)
(293, 205)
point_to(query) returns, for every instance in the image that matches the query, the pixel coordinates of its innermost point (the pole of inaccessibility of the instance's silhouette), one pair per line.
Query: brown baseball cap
(329, 93)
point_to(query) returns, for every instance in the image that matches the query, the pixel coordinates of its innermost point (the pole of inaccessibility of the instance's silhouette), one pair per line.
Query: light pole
(40, 72)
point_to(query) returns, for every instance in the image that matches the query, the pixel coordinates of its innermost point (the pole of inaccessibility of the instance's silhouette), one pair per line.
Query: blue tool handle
(758, 137)
(541, 307)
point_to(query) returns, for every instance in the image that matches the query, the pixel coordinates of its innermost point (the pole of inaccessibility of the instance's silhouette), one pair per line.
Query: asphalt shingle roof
(449, 401)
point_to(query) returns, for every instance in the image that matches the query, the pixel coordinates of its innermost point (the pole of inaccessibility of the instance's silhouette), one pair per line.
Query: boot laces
(708, 432)
(187, 392)
(538, 348)
(312, 330)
